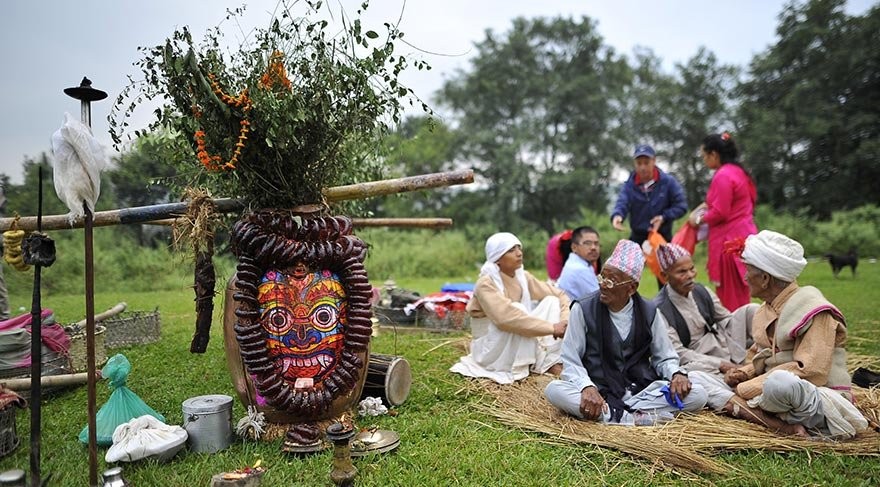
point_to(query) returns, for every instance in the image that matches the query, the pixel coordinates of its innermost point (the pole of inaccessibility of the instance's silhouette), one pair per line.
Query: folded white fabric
(142, 437)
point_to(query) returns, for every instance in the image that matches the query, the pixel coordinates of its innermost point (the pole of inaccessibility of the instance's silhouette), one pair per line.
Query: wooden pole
(369, 222)
(36, 354)
(115, 310)
(90, 347)
(360, 191)
(61, 380)
(402, 222)
(143, 214)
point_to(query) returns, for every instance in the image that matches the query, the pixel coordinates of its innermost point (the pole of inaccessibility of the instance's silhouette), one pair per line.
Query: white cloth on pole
(79, 160)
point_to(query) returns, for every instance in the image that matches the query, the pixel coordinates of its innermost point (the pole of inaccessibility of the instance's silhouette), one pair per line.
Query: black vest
(617, 364)
(674, 318)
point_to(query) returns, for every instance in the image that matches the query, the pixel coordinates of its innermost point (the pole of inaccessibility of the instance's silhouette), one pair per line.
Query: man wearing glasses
(578, 277)
(619, 366)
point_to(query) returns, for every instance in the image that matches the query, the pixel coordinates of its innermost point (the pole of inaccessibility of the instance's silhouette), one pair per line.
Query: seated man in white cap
(512, 334)
(795, 380)
(706, 336)
(618, 362)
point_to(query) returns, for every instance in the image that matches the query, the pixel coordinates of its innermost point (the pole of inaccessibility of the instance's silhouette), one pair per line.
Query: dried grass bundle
(854, 361)
(683, 444)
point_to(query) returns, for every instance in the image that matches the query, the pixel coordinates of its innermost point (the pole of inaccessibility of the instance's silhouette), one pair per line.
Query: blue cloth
(665, 197)
(578, 278)
(672, 399)
(457, 287)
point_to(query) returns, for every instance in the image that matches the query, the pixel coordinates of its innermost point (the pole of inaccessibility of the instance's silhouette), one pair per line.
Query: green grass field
(443, 440)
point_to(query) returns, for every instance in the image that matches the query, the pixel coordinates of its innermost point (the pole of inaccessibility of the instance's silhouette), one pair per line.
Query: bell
(113, 478)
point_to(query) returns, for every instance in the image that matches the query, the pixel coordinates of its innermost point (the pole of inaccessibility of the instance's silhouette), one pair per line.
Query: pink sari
(730, 216)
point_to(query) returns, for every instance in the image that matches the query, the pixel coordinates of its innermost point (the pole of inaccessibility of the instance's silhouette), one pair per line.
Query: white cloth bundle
(143, 437)
(79, 160)
(372, 406)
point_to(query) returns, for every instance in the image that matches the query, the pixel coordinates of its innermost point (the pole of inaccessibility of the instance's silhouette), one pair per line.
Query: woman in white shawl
(518, 321)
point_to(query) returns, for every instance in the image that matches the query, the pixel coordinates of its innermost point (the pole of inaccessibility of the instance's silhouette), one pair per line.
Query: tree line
(547, 114)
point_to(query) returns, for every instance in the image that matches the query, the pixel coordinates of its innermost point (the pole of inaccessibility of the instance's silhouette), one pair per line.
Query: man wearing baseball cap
(650, 197)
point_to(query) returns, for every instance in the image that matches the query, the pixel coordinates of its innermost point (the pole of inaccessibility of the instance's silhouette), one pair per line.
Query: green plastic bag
(122, 406)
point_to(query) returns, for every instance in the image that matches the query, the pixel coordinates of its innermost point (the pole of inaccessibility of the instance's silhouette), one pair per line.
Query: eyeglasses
(589, 243)
(609, 283)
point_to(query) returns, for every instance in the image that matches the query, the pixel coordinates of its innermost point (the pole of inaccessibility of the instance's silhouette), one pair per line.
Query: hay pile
(685, 444)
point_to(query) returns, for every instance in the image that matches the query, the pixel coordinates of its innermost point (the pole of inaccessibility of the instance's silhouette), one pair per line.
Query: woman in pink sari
(729, 212)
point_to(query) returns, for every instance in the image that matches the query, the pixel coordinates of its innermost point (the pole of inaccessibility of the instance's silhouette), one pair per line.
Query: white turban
(496, 246)
(775, 254)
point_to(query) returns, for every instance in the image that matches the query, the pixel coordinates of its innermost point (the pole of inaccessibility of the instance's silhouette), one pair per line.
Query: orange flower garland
(211, 161)
(275, 73)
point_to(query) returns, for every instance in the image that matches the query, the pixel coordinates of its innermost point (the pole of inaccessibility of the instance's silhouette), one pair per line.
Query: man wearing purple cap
(619, 365)
(652, 198)
(706, 336)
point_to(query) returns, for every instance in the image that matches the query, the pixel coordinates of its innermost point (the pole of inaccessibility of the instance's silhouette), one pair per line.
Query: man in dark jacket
(651, 198)
(618, 364)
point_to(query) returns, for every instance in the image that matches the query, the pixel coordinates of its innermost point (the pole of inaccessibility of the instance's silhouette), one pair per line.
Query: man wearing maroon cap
(706, 336)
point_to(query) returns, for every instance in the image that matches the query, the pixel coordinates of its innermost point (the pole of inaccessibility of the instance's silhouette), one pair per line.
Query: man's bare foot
(795, 430)
(556, 369)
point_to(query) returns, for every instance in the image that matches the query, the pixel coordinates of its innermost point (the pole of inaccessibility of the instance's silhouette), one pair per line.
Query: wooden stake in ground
(86, 95)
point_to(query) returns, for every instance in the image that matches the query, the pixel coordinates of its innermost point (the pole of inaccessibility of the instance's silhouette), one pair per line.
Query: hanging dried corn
(12, 240)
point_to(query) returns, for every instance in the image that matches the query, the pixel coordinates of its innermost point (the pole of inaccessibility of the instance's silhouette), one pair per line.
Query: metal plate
(290, 447)
(375, 441)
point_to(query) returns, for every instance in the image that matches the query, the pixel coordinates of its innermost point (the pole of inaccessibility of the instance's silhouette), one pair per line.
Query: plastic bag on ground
(144, 437)
(122, 406)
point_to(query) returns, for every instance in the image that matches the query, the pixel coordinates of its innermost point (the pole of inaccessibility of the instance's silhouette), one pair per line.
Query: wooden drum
(388, 377)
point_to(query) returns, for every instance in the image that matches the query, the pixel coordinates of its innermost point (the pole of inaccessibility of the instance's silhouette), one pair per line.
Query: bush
(120, 265)
(858, 228)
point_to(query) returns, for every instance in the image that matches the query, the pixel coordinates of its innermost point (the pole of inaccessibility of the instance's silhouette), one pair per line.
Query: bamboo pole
(24, 383)
(143, 214)
(115, 310)
(368, 222)
(401, 185)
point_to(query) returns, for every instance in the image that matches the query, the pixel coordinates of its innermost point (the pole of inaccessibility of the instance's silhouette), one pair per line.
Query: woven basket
(53, 363)
(393, 315)
(8, 436)
(455, 320)
(78, 356)
(132, 328)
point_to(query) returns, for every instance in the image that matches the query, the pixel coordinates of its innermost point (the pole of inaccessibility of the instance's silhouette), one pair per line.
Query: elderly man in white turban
(517, 320)
(618, 363)
(795, 380)
(706, 336)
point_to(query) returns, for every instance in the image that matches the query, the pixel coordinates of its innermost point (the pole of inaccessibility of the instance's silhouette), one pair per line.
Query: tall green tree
(418, 145)
(810, 110)
(538, 118)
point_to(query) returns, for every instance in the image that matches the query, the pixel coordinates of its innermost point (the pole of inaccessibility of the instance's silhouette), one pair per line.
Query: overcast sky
(48, 45)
